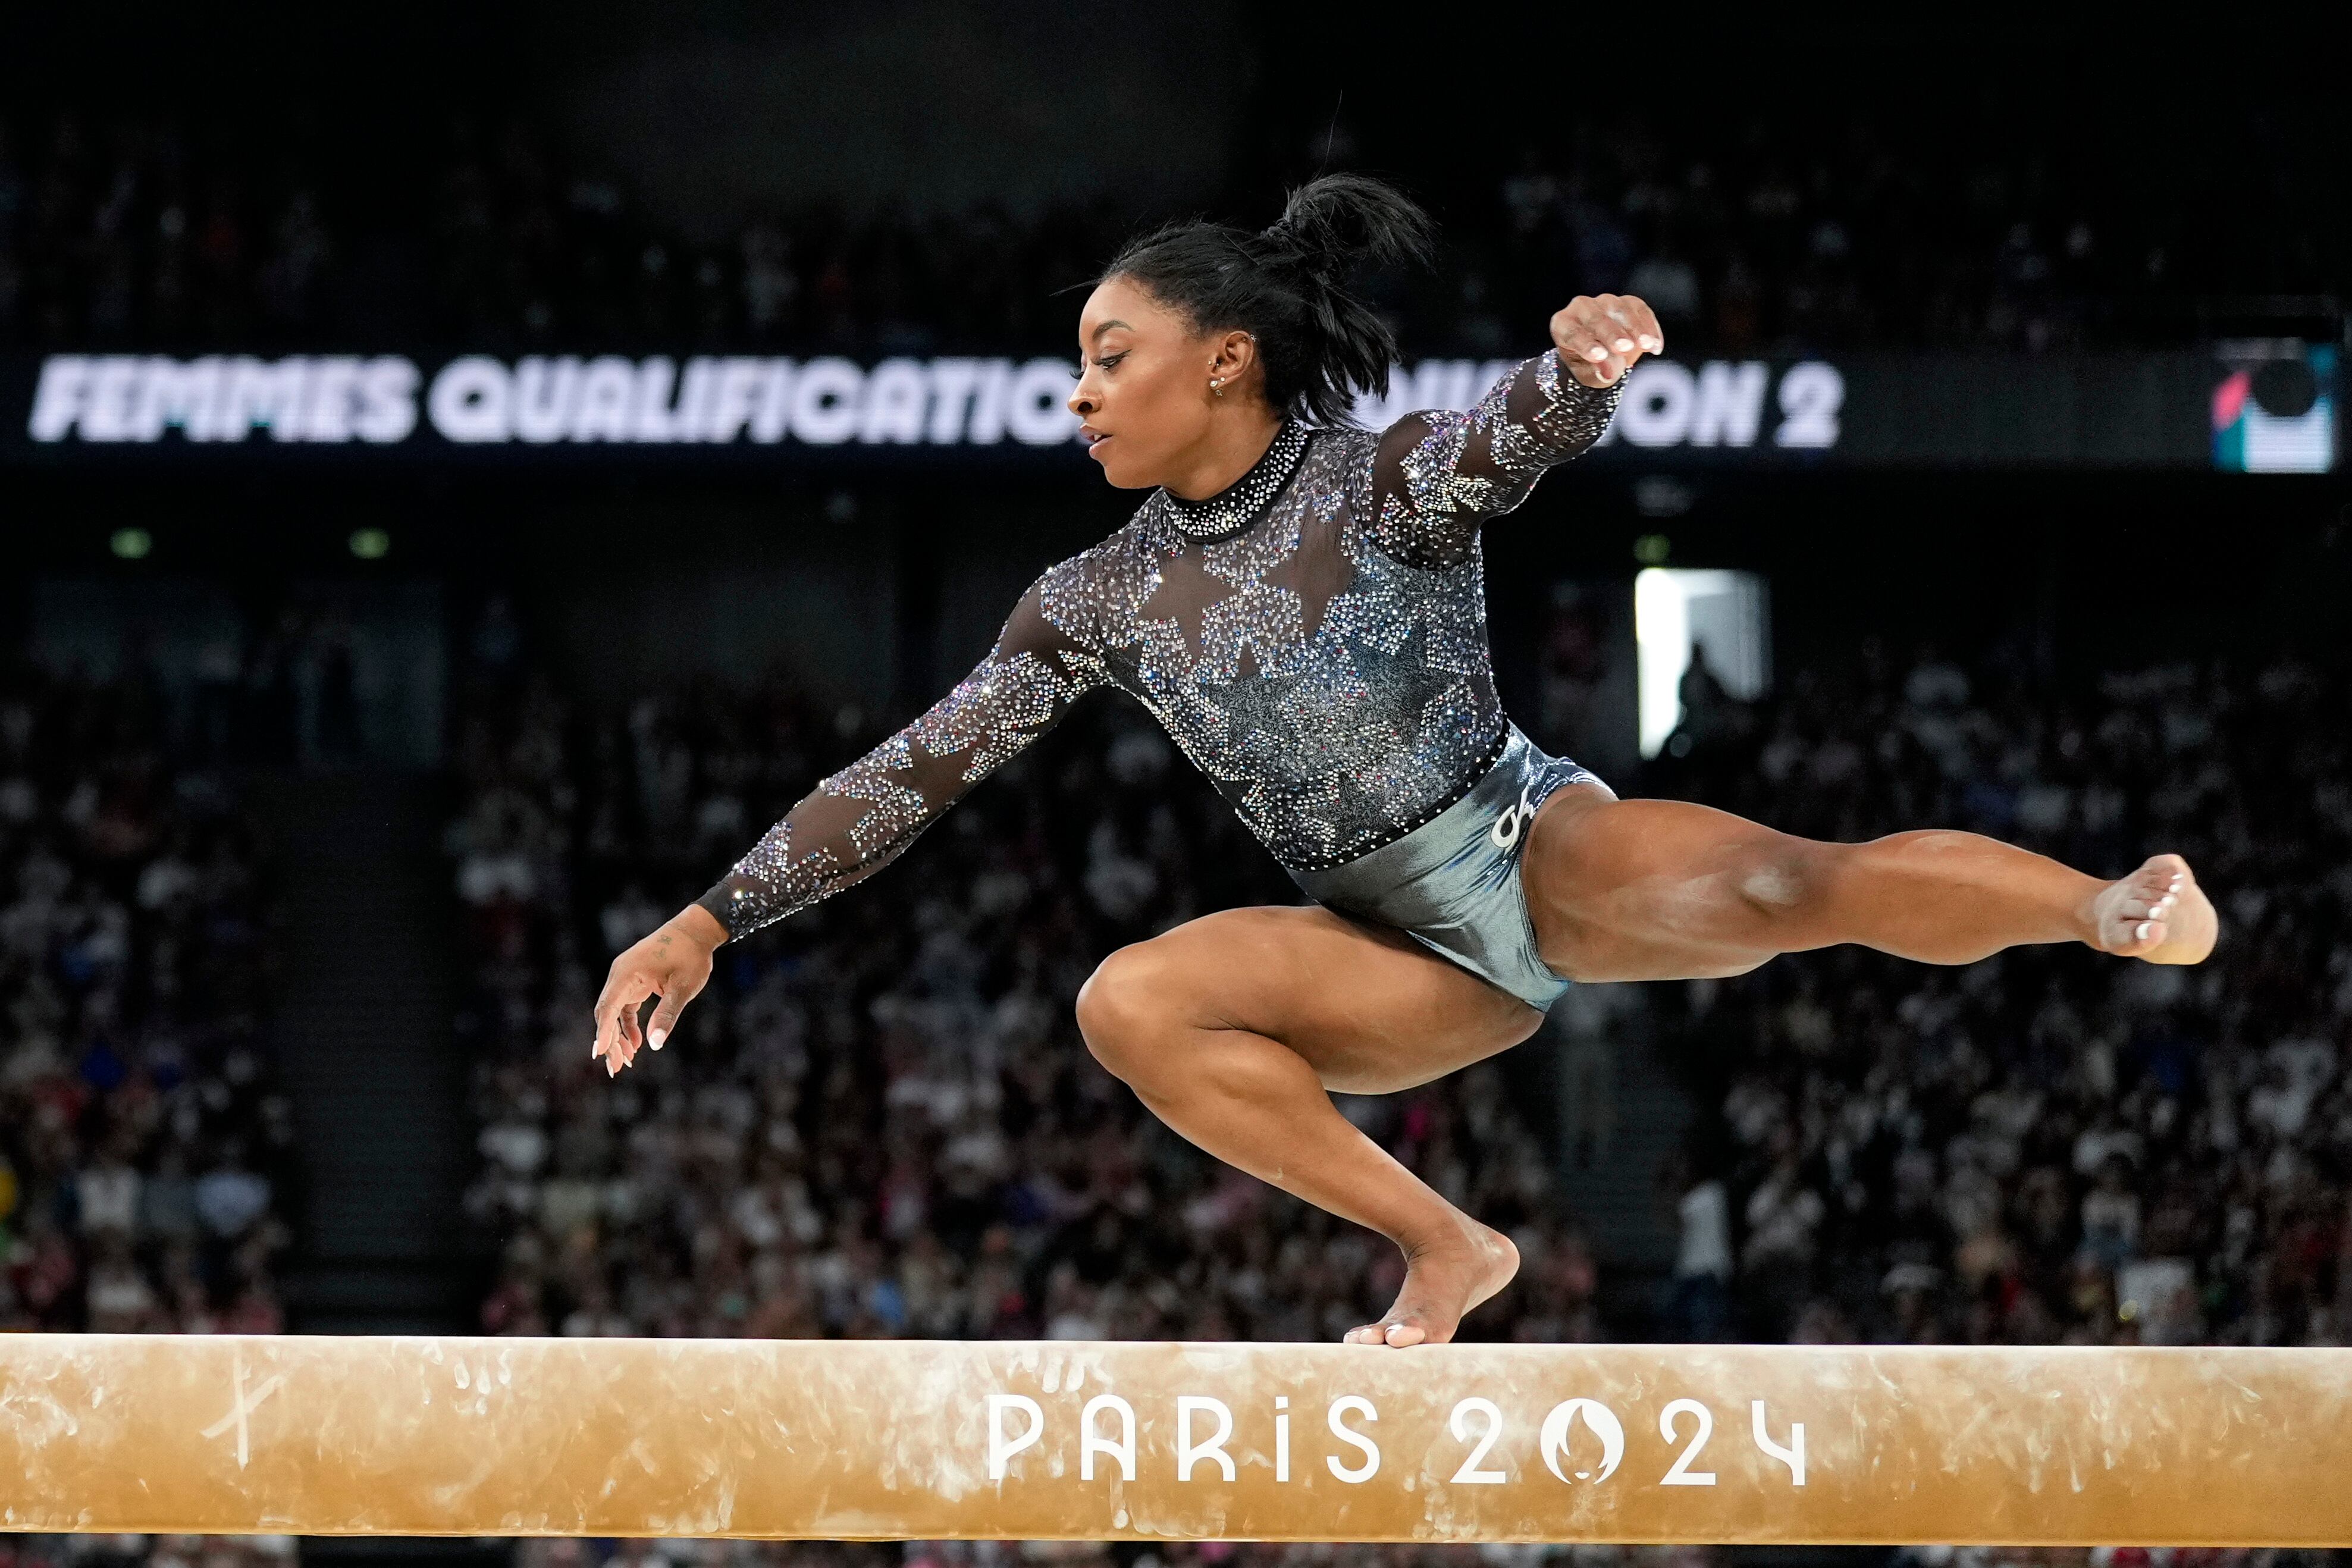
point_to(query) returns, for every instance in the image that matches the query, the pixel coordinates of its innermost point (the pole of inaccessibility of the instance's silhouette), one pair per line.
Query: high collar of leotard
(1235, 509)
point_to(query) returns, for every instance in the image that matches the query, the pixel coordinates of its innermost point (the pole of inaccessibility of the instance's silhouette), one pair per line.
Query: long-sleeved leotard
(1313, 638)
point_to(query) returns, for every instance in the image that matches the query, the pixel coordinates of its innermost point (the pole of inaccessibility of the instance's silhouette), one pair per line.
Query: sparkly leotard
(1313, 638)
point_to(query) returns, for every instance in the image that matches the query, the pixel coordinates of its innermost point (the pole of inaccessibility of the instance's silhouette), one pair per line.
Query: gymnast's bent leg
(1232, 1027)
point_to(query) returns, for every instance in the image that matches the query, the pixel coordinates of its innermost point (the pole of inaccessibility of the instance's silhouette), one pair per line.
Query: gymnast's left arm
(1437, 476)
(859, 820)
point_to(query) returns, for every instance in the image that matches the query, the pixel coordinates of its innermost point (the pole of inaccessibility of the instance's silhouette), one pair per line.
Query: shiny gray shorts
(1452, 883)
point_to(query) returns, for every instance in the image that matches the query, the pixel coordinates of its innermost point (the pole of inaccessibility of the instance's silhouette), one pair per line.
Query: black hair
(1287, 285)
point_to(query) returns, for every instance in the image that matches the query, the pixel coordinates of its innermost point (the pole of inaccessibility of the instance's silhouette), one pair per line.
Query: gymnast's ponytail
(1287, 285)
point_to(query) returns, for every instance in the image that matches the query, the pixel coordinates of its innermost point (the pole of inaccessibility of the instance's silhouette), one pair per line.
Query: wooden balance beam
(903, 1439)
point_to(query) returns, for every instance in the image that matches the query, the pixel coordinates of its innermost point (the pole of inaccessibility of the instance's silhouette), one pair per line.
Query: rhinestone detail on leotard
(1242, 502)
(1313, 638)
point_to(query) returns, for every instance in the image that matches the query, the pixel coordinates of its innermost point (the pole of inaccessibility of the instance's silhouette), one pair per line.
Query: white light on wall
(1728, 613)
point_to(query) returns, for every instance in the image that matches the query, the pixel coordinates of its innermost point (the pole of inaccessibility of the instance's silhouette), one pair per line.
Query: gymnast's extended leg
(1657, 889)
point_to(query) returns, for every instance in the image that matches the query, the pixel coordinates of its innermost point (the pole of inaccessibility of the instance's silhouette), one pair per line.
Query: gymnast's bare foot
(1441, 1283)
(2158, 913)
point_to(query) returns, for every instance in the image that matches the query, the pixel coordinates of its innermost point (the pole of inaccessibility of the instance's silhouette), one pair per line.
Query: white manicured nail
(656, 1037)
(2144, 929)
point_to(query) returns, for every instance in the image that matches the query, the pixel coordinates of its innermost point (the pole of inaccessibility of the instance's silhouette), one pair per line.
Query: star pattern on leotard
(1335, 720)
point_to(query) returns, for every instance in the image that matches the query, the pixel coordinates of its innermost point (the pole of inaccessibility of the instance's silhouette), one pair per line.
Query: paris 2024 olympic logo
(1580, 1441)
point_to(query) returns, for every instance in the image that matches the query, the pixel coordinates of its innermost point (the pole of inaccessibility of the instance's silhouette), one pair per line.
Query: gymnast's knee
(1785, 879)
(1124, 1010)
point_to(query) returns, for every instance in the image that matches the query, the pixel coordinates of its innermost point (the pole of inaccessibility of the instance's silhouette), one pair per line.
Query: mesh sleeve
(861, 818)
(1438, 475)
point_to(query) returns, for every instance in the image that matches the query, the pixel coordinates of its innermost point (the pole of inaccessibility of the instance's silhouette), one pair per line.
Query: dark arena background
(466, 470)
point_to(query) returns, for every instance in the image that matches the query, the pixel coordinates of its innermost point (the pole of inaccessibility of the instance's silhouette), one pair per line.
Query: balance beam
(928, 1440)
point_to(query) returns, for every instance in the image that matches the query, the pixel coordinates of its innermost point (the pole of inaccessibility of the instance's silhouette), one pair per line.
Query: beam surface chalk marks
(910, 1439)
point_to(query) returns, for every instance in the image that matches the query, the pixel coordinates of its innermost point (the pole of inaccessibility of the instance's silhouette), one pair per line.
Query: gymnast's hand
(1600, 335)
(673, 964)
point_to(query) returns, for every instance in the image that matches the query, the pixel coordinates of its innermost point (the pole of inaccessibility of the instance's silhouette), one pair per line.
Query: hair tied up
(1333, 225)
(1286, 285)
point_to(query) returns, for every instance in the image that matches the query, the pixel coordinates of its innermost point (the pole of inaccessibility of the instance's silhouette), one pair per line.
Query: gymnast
(1299, 603)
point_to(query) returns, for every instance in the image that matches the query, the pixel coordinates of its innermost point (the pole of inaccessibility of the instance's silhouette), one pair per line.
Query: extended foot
(2158, 913)
(1441, 1283)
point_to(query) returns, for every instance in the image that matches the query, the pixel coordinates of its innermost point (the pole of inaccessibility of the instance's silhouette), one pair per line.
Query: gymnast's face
(1145, 396)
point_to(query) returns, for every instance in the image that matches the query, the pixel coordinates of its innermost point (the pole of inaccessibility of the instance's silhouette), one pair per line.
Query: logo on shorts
(1514, 821)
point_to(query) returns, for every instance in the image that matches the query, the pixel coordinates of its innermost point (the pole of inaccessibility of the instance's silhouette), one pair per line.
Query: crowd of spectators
(1778, 238)
(146, 1151)
(2048, 1146)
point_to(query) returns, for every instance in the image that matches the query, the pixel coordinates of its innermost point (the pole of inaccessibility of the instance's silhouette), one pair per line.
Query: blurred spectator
(1699, 1309)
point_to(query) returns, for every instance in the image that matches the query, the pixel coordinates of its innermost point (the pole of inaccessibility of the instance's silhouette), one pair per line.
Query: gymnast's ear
(1234, 362)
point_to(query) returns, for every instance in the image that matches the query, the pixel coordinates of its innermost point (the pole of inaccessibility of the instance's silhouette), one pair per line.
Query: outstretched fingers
(625, 992)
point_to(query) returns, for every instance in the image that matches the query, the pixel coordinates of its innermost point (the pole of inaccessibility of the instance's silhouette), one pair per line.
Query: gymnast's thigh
(1655, 890)
(1370, 1009)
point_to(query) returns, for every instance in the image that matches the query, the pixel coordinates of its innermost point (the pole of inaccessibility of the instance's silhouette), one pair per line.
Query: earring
(1218, 387)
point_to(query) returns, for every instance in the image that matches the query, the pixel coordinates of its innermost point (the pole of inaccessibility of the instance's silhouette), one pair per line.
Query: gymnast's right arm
(855, 822)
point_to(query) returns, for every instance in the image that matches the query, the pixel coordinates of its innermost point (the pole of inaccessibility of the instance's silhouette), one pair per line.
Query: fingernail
(2144, 928)
(654, 1037)
(1624, 345)
(1650, 345)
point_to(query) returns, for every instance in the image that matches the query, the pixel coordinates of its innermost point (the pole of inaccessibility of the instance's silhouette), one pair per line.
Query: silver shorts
(1452, 883)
